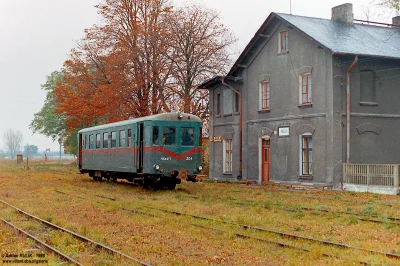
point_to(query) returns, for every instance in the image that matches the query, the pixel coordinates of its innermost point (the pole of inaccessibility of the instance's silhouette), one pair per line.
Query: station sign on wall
(283, 131)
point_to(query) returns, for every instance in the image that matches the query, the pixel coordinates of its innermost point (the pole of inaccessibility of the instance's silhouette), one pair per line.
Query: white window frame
(310, 158)
(227, 155)
(307, 86)
(261, 95)
(286, 46)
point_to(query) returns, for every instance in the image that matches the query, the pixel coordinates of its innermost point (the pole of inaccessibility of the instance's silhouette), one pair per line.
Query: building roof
(357, 39)
(338, 37)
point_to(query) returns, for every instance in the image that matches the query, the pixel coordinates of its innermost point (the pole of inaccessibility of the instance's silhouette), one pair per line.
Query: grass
(168, 239)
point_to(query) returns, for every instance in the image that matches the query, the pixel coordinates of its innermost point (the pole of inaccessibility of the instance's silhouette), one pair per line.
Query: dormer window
(283, 42)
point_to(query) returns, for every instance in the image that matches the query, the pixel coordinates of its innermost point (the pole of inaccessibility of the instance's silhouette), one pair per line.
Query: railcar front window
(156, 136)
(105, 140)
(169, 136)
(113, 139)
(187, 136)
(98, 136)
(122, 138)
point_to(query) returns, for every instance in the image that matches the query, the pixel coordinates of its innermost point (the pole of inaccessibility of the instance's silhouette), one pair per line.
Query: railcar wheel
(171, 185)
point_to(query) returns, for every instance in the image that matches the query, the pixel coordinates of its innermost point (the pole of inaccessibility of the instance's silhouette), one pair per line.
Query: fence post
(368, 176)
(396, 176)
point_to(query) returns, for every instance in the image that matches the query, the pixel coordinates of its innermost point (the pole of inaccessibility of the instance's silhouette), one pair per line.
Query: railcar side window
(169, 134)
(122, 138)
(91, 142)
(98, 141)
(113, 139)
(129, 138)
(156, 136)
(187, 136)
(105, 140)
(86, 144)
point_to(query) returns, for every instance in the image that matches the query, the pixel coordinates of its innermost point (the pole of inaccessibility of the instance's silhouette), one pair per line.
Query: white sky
(37, 35)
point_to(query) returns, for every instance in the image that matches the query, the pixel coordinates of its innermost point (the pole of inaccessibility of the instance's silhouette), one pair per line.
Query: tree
(120, 68)
(30, 150)
(13, 139)
(391, 4)
(145, 58)
(200, 43)
(47, 122)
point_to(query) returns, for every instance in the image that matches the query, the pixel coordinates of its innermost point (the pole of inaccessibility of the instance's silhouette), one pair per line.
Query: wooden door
(266, 161)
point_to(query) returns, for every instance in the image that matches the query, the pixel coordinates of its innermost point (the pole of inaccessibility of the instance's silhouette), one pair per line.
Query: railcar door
(140, 140)
(80, 151)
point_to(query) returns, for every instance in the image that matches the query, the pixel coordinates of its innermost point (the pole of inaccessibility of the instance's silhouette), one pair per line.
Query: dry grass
(57, 193)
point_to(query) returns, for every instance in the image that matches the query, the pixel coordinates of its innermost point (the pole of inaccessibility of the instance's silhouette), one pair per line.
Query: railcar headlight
(156, 167)
(200, 168)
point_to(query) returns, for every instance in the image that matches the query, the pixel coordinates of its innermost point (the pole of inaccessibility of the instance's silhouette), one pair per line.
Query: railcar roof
(173, 116)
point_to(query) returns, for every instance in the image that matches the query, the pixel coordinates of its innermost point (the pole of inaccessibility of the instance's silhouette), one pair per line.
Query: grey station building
(306, 96)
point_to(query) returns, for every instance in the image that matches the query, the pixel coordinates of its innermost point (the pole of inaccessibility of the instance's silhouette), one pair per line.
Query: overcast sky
(37, 35)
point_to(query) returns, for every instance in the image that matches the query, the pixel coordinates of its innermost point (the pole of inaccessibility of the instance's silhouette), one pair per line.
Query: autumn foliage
(145, 57)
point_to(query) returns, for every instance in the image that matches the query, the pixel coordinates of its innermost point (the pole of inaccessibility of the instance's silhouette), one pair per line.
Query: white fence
(366, 177)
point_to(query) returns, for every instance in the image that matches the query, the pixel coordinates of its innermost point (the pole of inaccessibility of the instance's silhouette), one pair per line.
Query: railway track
(63, 256)
(244, 226)
(256, 228)
(283, 234)
(360, 216)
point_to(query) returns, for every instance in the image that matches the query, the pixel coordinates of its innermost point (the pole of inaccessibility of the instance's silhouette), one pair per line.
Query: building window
(218, 104)
(113, 139)
(306, 154)
(283, 42)
(98, 141)
(305, 88)
(228, 98)
(367, 86)
(105, 140)
(227, 158)
(122, 139)
(237, 103)
(264, 95)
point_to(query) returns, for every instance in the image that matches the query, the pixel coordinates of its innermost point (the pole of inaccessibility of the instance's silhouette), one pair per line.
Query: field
(204, 223)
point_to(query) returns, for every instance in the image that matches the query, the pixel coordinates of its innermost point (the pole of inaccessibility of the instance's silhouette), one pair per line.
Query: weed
(48, 218)
(353, 220)
(297, 228)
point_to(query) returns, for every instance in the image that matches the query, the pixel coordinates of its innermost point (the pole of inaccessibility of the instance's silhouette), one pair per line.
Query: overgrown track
(75, 235)
(283, 234)
(256, 228)
(40, 243)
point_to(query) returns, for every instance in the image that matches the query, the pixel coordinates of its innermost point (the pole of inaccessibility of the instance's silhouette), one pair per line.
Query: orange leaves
(145, 57)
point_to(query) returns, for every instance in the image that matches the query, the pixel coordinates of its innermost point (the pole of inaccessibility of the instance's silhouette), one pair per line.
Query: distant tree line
(146, 57)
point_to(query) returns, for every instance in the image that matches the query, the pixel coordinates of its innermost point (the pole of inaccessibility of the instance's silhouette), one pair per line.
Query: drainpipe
(348, 108)
(240, 125)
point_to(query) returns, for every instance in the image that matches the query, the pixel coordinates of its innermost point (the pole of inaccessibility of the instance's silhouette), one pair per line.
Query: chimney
(396, 21)
(343, 13)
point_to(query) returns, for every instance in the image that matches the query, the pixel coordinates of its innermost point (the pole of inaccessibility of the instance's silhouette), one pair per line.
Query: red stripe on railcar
(146, 149)
(171, 153)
